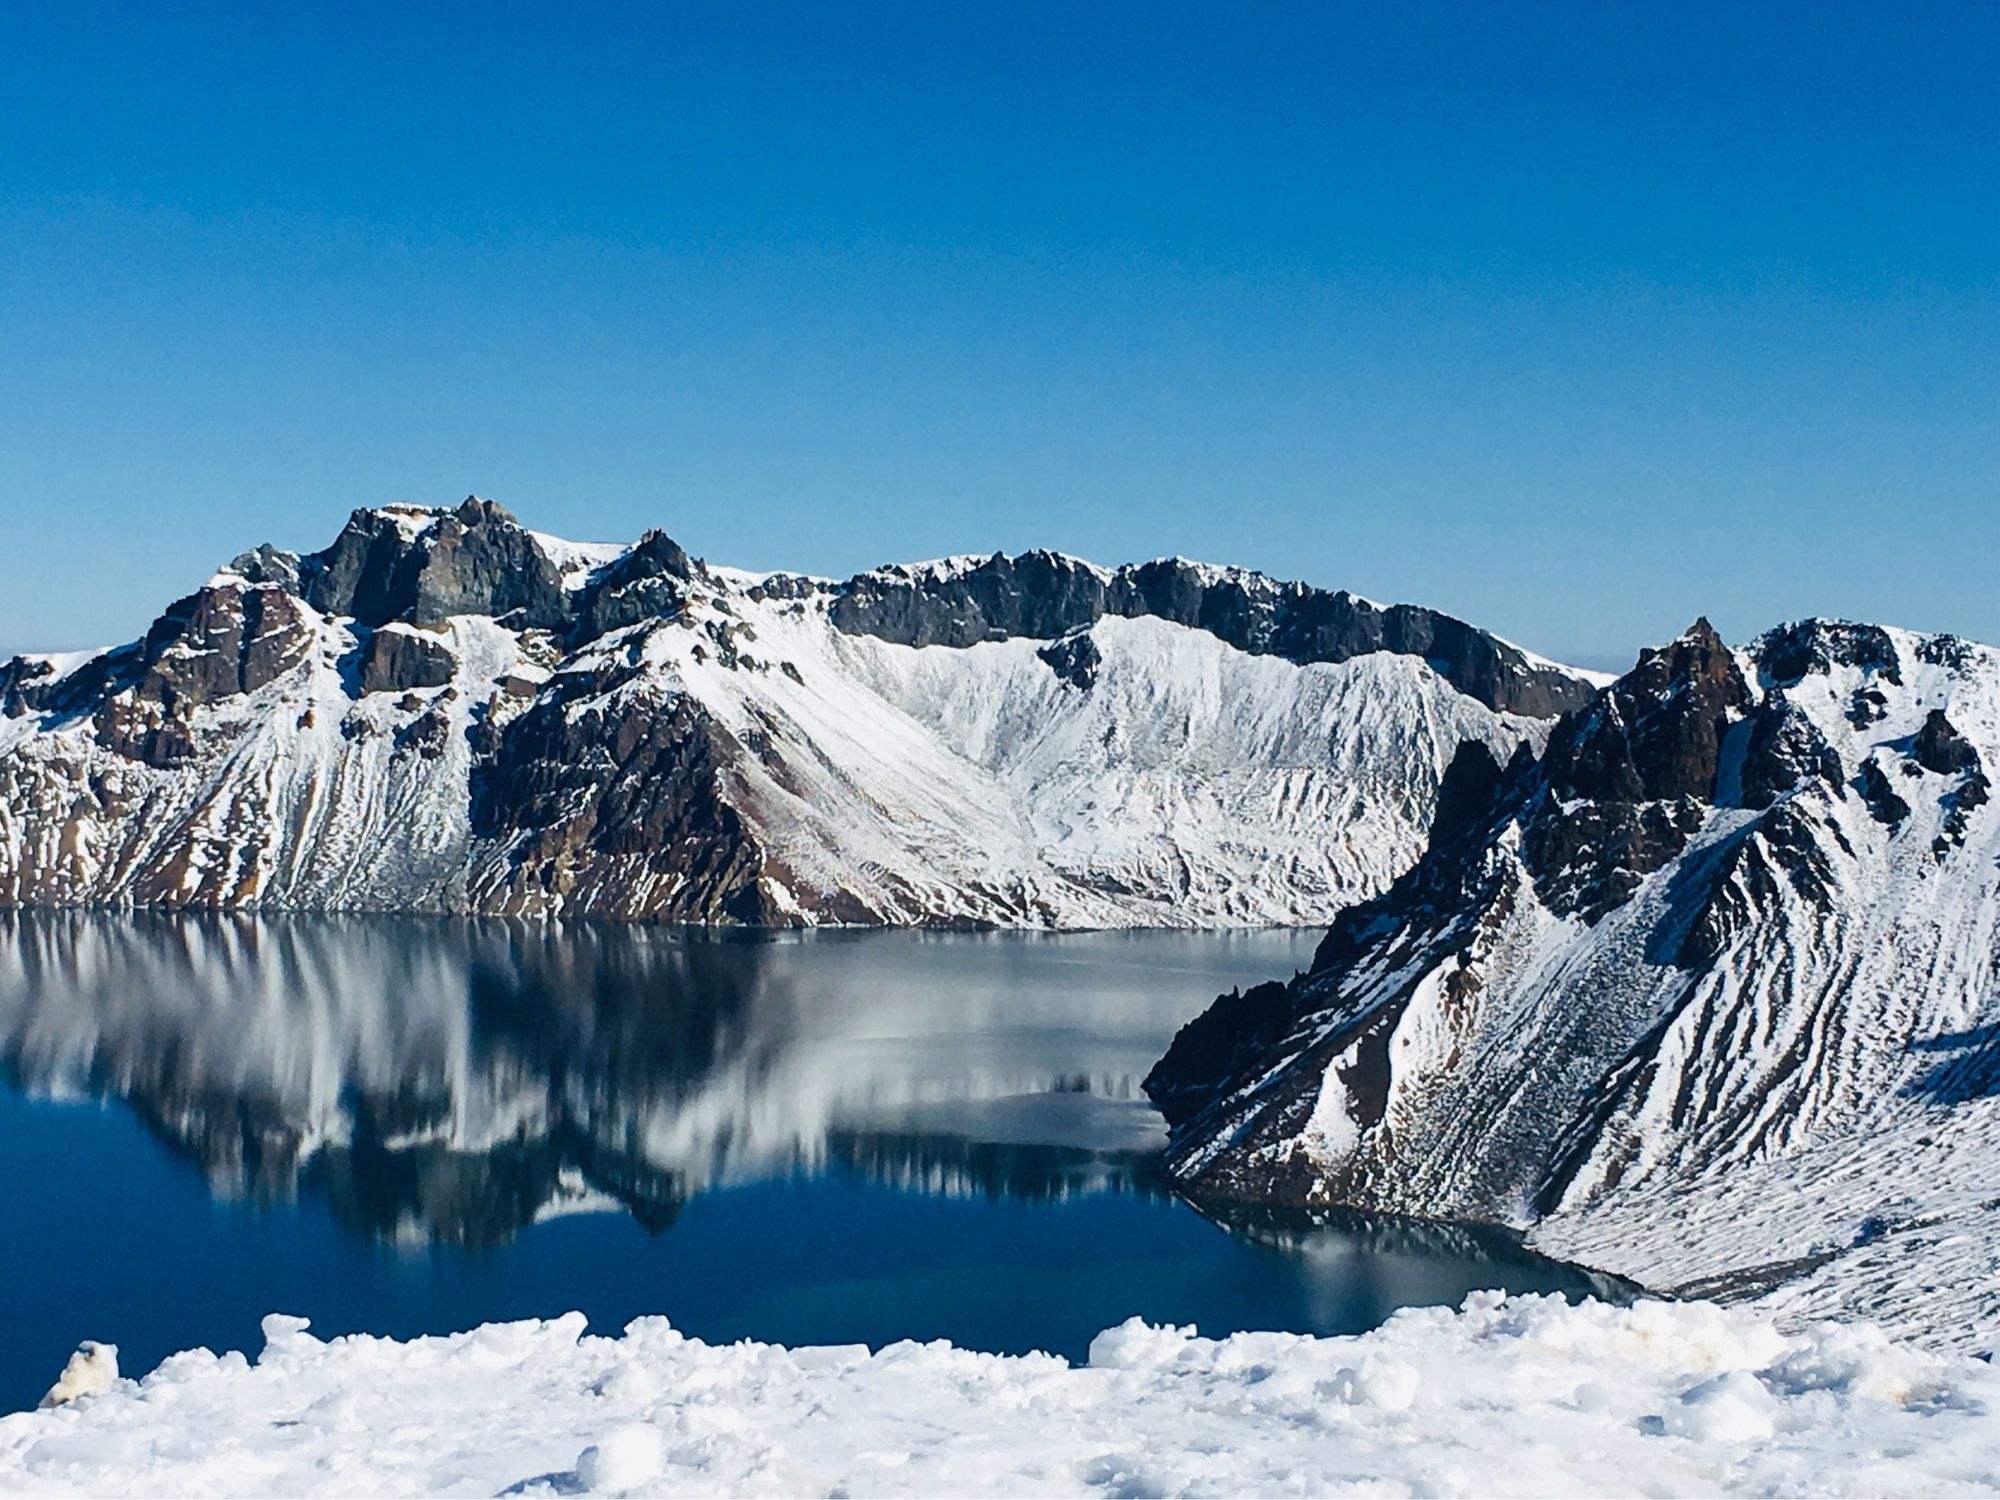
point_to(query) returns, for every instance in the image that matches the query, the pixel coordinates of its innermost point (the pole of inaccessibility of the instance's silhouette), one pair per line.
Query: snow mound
(1526, 1395)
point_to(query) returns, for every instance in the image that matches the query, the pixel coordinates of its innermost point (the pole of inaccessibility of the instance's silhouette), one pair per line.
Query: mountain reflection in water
(406, 1126)
(453, 1081)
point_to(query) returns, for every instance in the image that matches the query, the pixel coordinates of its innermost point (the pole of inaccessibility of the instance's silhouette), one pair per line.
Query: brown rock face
(397, 660)
(141, 731)
(1656, 732)
(424, 566)
(615, 811)
(220, 641)
(1628, 777)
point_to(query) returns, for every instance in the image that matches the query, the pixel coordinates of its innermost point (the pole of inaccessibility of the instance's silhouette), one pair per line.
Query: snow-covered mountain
(445, 711)
(1740, 922)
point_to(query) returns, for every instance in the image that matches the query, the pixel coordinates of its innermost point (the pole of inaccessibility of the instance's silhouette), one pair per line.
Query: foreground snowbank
(1516, 1396)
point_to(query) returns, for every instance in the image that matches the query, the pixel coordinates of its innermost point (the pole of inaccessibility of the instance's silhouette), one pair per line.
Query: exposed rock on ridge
(1045, 595)
(1722, 919)
(443, 710)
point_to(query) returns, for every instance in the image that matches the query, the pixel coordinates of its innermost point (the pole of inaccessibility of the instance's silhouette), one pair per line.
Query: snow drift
(1526, 1396)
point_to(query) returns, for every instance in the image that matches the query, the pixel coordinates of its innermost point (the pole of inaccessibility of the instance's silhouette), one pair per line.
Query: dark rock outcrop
(221, 641)
(267, 564)
(429, 735)
(1784, 747)
(1627, 777)
(648, 583)
(1656, 733)
(1075, 659)
(395, 660)
(24, 685)
(141, 731)
(1791, 652)
(1222, 1042)
(1041, 595)
(617, 810)
(1885, 804)
(1971, 794)
(1045, 595)
(398, 563)
(1941, 749)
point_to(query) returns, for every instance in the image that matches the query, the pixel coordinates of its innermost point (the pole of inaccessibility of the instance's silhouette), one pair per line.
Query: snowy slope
(302, 793)
(1518, 1397)
(1713, 983)
(1191, 785)
(444, 711)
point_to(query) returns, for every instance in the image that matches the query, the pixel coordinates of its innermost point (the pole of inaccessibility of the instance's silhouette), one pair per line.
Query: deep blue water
(405, 1126)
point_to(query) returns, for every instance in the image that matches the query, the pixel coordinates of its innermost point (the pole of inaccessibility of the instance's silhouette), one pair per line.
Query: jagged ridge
(1745, 904)
(443, 710)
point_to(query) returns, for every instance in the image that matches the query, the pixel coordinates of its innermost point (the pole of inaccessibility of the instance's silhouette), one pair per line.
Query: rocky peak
(423, 566)
(650, 582)
(1629, 778)
(475, 511)
(222, 640)
(1041, 595)
(368, 572)
(1792, 652)
(1656, 732)
(480, 561)
(267, 564)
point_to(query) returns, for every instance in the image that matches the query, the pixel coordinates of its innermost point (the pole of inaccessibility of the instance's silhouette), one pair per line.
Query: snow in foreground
(1507, 1396)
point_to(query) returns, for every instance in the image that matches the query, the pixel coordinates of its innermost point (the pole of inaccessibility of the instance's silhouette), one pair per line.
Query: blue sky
(1574, 320)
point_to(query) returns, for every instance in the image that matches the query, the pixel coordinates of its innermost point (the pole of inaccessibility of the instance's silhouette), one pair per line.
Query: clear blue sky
(1574, 320)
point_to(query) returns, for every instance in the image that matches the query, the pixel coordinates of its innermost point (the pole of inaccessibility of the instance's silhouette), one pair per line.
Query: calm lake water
(412, 1126)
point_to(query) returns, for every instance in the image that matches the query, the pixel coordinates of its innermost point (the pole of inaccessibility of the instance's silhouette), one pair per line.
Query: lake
(413, 1125)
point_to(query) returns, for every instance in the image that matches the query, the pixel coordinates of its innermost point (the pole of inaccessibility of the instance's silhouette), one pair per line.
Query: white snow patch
(576, 561)
(1521, 1396)
(62, 663)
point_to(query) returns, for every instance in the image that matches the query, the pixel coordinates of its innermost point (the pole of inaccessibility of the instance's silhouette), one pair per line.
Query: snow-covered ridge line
(1524, 1396)
(1739, 923)
(445, 711)
(966, 598)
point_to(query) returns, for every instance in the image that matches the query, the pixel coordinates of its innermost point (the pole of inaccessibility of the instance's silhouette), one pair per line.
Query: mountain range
(445, 711)
(1694, 974)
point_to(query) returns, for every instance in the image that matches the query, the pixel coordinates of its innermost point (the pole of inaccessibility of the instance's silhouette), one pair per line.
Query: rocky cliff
(443, 710)
(1742, 914)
